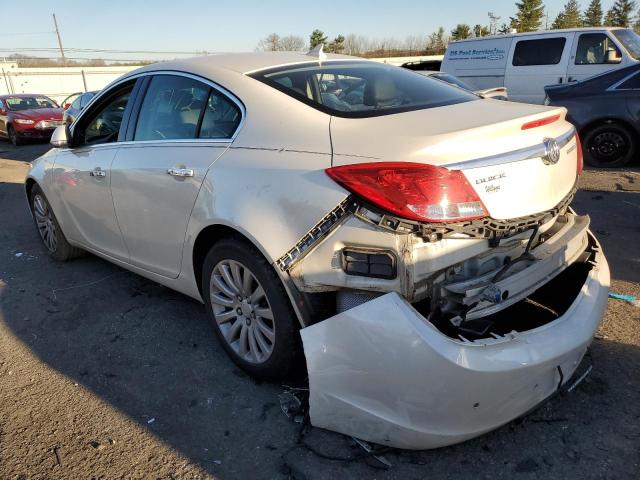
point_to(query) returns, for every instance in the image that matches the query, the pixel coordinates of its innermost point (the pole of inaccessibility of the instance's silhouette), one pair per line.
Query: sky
(231, 25)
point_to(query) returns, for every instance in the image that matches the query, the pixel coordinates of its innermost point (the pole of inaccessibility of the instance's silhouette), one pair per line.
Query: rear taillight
(425, 193)
(579, 154)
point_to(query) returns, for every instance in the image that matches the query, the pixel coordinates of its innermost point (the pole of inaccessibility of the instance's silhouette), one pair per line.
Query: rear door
(589, 55)
(183, 125)
(535, 62)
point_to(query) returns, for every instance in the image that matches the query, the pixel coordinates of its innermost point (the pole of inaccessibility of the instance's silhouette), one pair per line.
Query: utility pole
(55, 23)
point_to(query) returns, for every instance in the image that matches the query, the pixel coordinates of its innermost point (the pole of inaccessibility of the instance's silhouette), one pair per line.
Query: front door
(82, 178)
(589, 56)
(184, 125)
(535, 63)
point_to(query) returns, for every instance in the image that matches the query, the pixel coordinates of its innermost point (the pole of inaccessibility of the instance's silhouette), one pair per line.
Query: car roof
(539, 32)
(243, 62)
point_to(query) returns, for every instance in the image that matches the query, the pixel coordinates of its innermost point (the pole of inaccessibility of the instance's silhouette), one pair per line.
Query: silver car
(413, 243)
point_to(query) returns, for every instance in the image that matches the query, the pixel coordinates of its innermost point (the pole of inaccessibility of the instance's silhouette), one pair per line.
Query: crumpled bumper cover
(382, 373)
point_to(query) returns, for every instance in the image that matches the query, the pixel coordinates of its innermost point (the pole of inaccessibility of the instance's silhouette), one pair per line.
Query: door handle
(180, 172)
(98, 172)
(572, 80)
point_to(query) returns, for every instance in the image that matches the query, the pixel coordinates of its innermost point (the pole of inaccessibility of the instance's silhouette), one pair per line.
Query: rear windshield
(361, 89)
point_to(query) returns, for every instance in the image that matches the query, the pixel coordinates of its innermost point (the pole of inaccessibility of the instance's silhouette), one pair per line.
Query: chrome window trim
(527, 153)
(206, 81)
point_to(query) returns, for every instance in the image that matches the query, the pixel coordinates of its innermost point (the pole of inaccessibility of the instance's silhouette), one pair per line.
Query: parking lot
(104, 374)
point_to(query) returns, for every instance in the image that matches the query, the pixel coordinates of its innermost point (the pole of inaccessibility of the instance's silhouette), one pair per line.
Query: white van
(525, 63)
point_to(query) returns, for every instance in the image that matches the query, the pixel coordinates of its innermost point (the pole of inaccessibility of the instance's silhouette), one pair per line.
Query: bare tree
(414, 44)
(355, 44)
(292, 43)
(271, 43)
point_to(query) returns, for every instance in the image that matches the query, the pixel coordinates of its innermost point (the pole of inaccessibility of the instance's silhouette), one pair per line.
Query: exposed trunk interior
(543, 306)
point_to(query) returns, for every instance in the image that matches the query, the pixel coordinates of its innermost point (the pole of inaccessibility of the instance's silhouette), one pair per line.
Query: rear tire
(609, 145)
(241, 291)
(13, 136)
(49, 229)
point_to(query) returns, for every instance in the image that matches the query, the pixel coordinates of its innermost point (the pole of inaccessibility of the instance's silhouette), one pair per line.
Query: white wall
(56, 82)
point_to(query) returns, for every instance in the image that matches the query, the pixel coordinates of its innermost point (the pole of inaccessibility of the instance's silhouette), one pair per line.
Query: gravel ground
(104, 374)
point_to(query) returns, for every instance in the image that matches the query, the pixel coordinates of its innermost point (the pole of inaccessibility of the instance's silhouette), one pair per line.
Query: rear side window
(221, 117)
(171, 109)
(547, 51)
(632, 83)
(361, 89)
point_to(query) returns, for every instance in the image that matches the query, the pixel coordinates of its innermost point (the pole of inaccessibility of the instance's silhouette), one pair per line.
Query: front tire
(13, 136)
(610, 145)
(49, 229)
(250, 310)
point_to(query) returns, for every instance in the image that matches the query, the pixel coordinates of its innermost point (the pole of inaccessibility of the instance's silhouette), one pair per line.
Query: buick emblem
(551, 152)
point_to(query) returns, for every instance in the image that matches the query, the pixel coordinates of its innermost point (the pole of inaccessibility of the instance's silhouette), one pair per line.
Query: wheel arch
(607, 120)
(213, 233)
(29, 183)
(210, 235)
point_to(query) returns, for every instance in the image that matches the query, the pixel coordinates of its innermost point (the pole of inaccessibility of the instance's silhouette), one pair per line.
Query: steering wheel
(158, 132)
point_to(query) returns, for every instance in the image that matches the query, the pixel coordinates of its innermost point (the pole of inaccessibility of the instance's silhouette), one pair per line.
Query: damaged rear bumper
(384, 373)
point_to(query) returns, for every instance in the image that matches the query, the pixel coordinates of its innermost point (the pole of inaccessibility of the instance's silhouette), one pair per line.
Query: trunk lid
(483, 138)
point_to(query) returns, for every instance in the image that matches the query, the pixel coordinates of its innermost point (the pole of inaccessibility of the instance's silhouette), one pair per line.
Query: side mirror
(61, 137)
(613, 56)
(66, 106)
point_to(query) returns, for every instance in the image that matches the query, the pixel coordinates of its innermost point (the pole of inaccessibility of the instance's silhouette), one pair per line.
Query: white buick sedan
(412, 242)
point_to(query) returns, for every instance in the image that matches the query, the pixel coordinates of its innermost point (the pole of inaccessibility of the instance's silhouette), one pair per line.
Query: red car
(26, 116)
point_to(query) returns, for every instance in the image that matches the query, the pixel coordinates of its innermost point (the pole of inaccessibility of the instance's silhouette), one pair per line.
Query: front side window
(171, 109)
(546, 51)
(361, 88)
(84, 99)
(104, 125)
(592, 49)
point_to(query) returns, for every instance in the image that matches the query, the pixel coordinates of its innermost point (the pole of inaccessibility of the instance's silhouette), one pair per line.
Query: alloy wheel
(45, 223)
(242, 311)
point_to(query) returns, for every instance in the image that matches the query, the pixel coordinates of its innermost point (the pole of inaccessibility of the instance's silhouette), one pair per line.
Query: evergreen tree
(461, 32)
(593, 14)
(570, 17)
(437, 43)
(621, 13)
(481, 31)
(529, 16)
(336, 45)
(504, 29)
(317, 37)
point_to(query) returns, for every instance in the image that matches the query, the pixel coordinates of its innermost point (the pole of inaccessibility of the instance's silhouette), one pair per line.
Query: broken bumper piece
(381, 372)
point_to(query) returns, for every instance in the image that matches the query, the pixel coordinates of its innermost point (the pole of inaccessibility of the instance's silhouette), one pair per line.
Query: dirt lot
(104, 374)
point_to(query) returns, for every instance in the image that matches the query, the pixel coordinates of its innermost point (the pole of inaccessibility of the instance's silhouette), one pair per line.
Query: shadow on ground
(150, 353)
